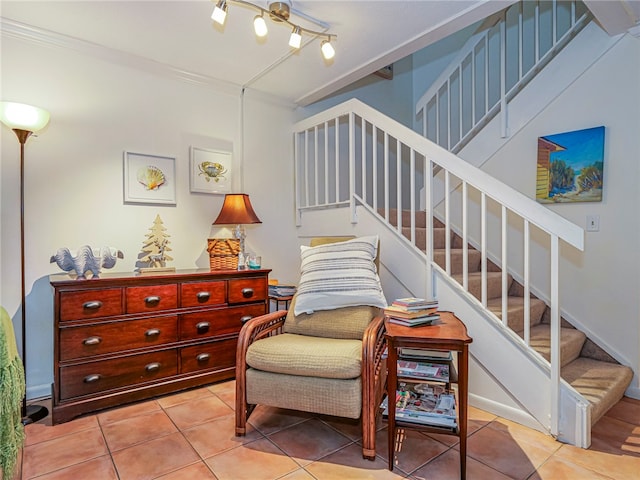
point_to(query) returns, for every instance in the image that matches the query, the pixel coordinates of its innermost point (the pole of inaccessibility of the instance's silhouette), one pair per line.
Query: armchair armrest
(254, 329)
(374, 379)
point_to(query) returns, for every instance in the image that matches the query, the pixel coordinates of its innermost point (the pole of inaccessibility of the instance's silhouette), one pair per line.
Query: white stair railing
(353, 155)
(493, 66)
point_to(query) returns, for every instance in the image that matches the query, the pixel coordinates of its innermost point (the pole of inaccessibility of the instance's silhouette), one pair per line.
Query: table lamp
(237, 210)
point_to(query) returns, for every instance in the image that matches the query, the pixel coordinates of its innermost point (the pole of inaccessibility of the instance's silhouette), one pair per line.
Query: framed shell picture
(149, 179)
(211, 170)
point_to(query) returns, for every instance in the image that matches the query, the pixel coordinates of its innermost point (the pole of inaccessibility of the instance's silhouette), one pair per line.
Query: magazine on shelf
(424, 404)
(425, 354)
(424, 370)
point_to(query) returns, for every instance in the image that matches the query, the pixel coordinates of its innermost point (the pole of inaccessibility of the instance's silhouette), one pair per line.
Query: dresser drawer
(247, 290)
(200, 294)
(85, 341)
(90, 304)
(93, 377)
(217, 355)
(217, 322)
(151, 298)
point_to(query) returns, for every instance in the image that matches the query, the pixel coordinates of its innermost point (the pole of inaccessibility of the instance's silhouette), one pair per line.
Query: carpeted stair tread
(515, 311)
(420, 217)
(602, 383)
(439, 240)
(571, 342)
(494, 284)
(457, 255)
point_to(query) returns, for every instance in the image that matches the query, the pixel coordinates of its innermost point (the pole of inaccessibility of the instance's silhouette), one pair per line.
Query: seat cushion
(328, 396)
(347, 322)
(308, 356)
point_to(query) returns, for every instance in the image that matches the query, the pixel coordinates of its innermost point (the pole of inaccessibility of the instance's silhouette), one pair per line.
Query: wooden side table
(447, 334)
(278, 299)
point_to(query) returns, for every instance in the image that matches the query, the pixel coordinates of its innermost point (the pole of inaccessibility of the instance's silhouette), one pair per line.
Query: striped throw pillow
(337, 275)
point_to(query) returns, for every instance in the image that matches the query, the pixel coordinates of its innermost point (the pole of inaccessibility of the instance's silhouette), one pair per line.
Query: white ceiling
(180, 35)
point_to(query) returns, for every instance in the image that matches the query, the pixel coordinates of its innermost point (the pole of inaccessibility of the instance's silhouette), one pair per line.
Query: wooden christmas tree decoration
(156, 247)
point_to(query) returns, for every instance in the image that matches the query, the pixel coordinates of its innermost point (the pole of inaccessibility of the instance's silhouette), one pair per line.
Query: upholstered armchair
(327, 362)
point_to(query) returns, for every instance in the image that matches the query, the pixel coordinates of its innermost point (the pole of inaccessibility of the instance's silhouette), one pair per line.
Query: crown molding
(13, 29)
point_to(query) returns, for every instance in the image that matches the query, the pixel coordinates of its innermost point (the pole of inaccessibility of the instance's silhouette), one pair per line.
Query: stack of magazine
(412, 311)
(425, 404)
(281, 290)
(423, 370)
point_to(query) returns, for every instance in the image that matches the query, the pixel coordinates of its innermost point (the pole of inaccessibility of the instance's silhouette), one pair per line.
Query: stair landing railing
(352, 155)
(495, 64)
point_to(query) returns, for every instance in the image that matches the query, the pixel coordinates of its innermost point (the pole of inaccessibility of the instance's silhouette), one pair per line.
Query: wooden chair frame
(374, 373)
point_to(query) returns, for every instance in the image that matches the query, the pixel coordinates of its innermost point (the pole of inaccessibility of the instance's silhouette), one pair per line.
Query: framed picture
(149, 179)
(211, 170)
(570, 166)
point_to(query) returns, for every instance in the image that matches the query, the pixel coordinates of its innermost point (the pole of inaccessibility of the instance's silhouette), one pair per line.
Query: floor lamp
(24, 120)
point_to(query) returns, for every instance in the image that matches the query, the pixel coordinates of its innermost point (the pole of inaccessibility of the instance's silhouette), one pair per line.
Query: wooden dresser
(125, 337)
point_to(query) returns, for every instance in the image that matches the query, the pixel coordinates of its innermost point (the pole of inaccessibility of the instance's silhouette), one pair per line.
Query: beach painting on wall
(571, 166)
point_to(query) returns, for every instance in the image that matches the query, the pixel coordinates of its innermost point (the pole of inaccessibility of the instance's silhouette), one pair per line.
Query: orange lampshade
(236, 209)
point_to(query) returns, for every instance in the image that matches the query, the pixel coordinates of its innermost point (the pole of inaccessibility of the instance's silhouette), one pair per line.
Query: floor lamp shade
(24, 120)
(18, 116)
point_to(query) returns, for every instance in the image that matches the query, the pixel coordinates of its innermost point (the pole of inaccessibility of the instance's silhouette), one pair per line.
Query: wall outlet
(593, 223)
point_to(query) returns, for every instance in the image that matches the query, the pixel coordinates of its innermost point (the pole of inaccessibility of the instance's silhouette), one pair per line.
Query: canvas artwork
(570, 166)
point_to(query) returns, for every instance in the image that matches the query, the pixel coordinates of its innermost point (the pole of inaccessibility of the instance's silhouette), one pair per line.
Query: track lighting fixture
(278, 12)
(296, 39)
(327, 50)
(260, 26)
(220, 12)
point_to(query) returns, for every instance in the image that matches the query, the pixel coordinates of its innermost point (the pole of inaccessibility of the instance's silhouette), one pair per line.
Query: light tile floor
(190, 435)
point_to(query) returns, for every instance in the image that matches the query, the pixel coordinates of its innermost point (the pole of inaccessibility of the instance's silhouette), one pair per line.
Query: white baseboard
(505, 411)
(633, 392)
(39, 391)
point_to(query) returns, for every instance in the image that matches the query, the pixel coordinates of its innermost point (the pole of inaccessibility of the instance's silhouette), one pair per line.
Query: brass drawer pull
(152, 332)
(91, 378)
(153, 367)
(203, 296)
(247, 292)
(203, 327)
(92, 340)
(203, 357)
(245, 319)
(92, 305)
(152, 300)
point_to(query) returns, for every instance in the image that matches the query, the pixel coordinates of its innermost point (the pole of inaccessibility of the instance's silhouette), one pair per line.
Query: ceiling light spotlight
(295, 40)
(220, 12)
(279, 12)
(328, 51)
(260, 26)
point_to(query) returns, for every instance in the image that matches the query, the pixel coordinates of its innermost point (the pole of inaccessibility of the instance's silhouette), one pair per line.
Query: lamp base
(33, 414)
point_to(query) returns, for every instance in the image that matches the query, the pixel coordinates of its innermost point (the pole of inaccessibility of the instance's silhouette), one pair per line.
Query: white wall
(73, 173)
(604, 280)
(391, 97)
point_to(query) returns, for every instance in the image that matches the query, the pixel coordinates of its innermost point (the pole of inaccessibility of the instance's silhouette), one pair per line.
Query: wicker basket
(223, 253)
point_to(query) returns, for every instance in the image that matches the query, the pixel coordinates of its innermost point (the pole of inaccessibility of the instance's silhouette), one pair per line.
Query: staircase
(356, 169)
(587, 368)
